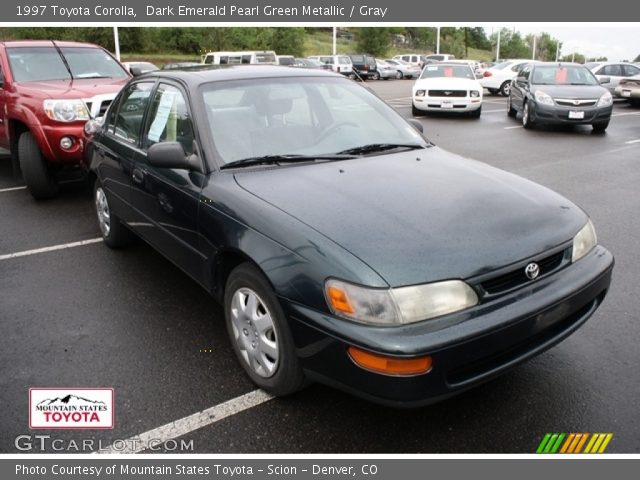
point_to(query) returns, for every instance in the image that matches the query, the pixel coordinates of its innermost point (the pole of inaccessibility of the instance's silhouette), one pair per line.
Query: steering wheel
(333, 128)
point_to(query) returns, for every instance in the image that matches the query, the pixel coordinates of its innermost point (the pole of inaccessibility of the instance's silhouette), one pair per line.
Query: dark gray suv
(559, 93)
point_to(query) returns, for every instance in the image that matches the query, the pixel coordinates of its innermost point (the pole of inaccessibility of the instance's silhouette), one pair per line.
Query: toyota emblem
(532, 271)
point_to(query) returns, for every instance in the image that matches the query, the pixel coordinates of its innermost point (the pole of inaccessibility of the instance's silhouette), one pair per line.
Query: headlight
(398, 306)
(543, 98)
(474, 93)
(584, 241)
(66, 110)
(605, 100)
(420, 93)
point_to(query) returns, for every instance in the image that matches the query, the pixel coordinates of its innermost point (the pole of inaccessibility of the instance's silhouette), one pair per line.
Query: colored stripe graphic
(574, 443)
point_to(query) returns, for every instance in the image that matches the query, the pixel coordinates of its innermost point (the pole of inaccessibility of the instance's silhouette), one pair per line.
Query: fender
(24, 115)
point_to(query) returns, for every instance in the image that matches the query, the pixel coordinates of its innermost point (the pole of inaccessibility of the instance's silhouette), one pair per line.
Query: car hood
(447, 84)
(572, 91)
(78, 88)
(421, 216)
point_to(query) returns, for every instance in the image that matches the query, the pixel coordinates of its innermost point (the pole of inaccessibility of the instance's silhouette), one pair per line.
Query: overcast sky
(615, 43)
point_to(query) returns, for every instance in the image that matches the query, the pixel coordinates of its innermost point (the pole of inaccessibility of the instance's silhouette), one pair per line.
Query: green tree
(373, 40)
(288, 41)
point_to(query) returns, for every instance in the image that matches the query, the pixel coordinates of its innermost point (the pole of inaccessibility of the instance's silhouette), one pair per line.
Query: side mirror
(479, 76)
(416, 124)
(172, 155)
(605, 80)
(135, 71)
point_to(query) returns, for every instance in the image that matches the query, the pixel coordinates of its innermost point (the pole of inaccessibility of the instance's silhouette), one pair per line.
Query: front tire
(375, 76)
(527, 121)
(476, 113)
(399, 75)
(416, 112)
(511, 112)
(40, 182)
(259, 333)
(600, 127)
(114, 233)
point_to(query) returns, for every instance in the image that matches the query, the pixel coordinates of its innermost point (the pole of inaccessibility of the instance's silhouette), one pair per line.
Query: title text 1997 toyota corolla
(345, 247)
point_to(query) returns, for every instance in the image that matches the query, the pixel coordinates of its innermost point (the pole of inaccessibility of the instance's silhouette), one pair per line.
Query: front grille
(516, 277)
(447, 93)
(576, 103)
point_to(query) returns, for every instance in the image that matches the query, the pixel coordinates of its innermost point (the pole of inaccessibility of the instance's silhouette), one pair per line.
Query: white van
(266, 57)
(338, 63)
(441, 57)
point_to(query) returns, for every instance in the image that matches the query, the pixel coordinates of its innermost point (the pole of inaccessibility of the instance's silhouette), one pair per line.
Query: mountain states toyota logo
(71, 408)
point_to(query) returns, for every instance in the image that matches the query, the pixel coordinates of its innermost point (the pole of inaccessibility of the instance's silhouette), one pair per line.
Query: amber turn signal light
(339, 300)
(390, 365)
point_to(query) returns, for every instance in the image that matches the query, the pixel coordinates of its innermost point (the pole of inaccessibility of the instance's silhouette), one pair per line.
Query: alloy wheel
(102, 209)
(254, 332)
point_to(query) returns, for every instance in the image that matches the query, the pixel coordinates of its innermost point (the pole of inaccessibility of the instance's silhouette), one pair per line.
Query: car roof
(195, 76)
(46, 43)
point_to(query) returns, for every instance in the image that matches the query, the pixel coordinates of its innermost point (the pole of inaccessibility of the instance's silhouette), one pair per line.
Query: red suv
(48, 90)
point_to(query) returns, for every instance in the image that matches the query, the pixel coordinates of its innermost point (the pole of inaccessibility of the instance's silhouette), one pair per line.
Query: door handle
(138, 175)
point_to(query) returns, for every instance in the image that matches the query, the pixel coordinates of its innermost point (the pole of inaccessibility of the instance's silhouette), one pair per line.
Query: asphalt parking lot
(87, 316)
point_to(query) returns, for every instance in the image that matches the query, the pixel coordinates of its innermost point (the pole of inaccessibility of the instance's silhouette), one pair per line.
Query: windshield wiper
(64, 60)
(380, 147)
(279, 159)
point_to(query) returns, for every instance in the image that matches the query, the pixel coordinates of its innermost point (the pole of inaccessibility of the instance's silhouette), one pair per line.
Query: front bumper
(453, 104)
(467, 348)
(560, 114)
(49, 136)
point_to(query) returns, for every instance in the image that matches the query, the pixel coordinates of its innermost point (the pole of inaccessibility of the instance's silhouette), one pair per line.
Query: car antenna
(64, 60)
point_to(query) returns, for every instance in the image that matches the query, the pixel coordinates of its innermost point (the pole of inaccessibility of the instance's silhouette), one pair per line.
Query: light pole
(498, 46)
(438, 41)
(116, 40)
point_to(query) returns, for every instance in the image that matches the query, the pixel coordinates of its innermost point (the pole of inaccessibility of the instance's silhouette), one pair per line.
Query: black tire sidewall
(289, 377)
(39, 180)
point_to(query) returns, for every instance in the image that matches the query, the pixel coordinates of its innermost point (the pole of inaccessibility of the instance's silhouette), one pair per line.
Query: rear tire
(399, 75)
(375, 76)
(600, 127)
(505, 88)
(493, 91)
(259, 332)
(40, 182)
(114, 233)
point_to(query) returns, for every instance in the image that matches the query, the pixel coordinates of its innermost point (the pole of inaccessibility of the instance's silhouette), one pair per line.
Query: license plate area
(576, 115)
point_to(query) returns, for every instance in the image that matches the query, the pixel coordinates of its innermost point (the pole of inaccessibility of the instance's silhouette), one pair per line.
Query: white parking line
(12, 189)
(625, 113)
(517, 126)
(185, 425)
(493, 111)
(50, 249)
(632, 141)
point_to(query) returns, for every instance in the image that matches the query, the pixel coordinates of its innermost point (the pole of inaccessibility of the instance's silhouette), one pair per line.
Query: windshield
(455, 71)
(32, 64)
(299, 116)
(562, 75)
